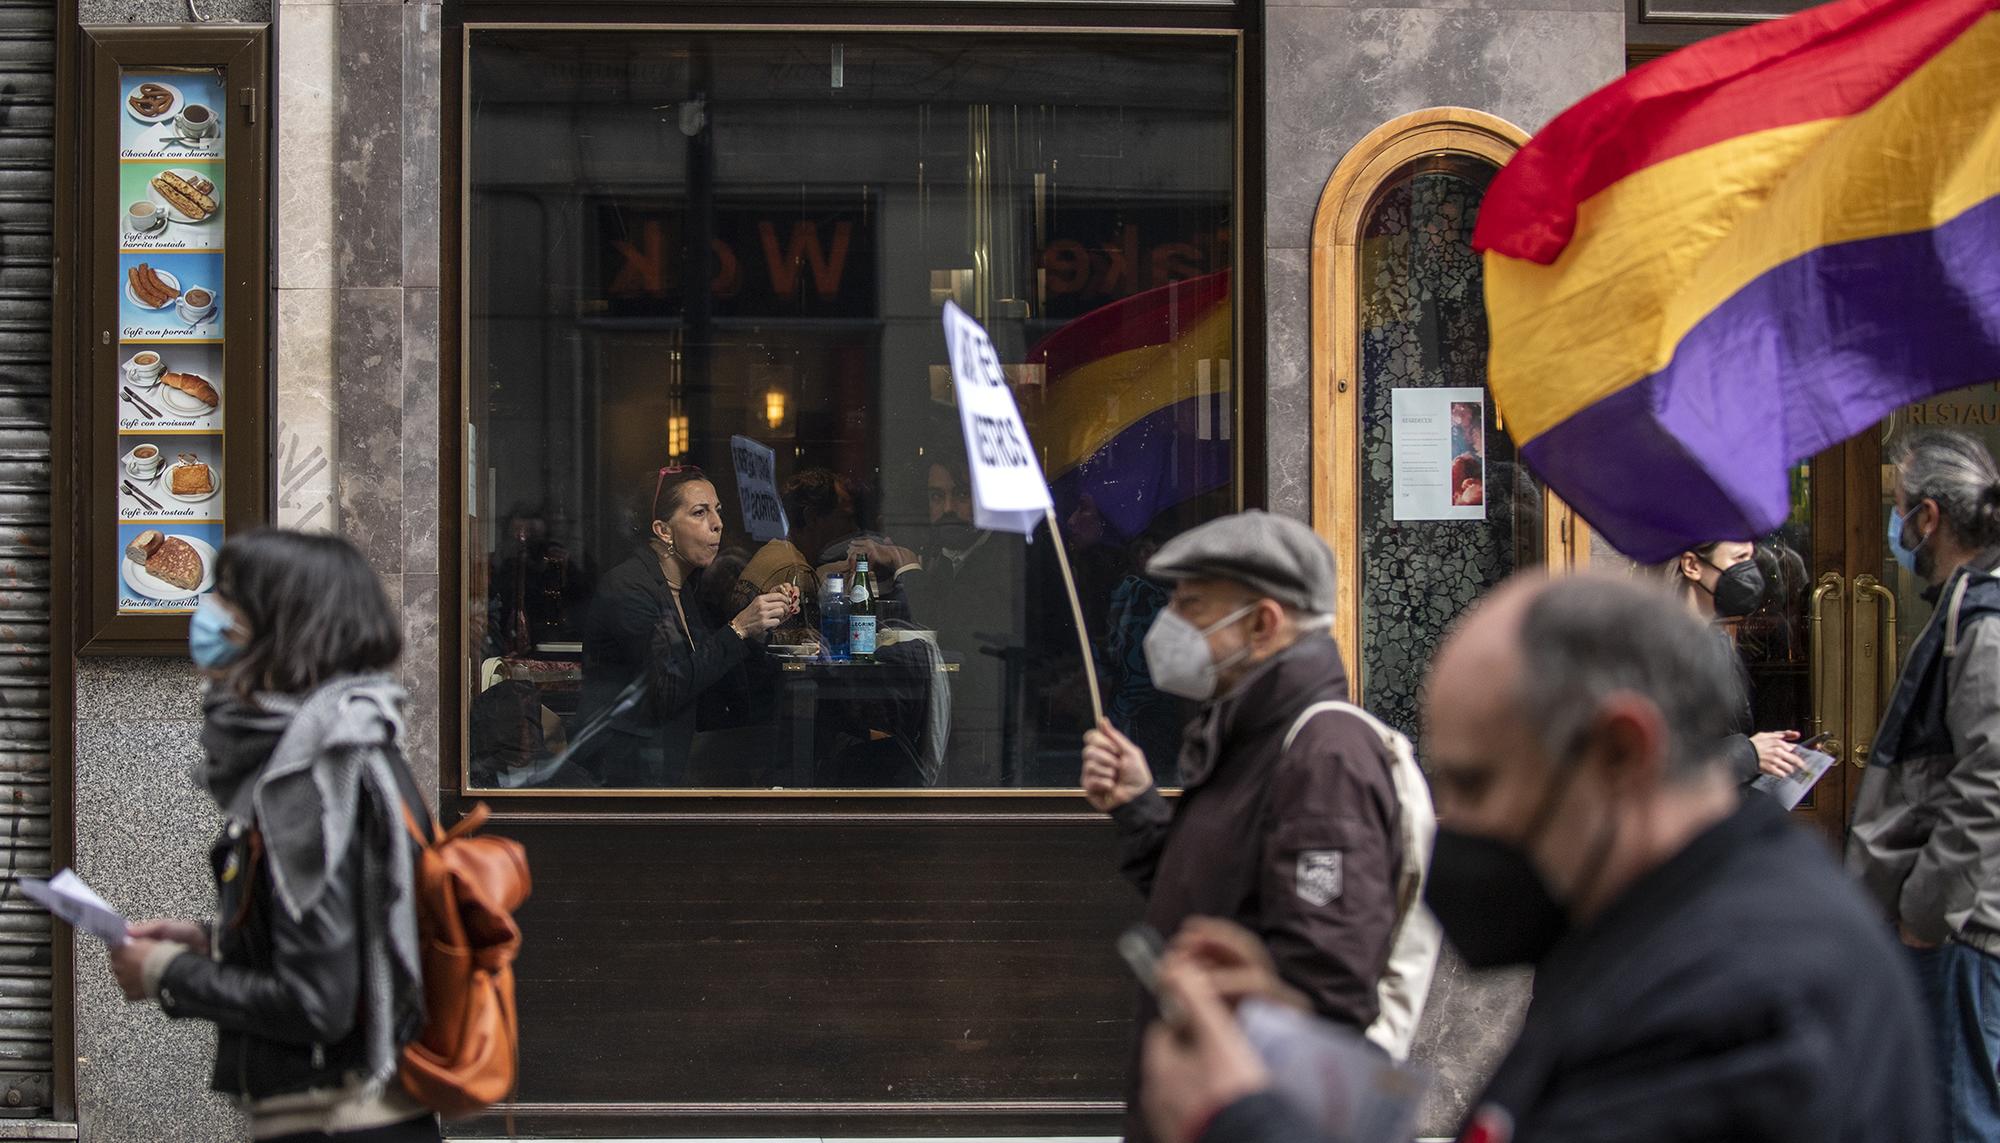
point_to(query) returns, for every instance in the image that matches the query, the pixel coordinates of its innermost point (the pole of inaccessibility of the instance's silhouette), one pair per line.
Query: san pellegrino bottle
(861, 615)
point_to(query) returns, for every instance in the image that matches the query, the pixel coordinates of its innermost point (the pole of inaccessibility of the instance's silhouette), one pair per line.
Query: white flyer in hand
(1342, 1082)
(1008, 491)
(1791, 791)
(69, 898)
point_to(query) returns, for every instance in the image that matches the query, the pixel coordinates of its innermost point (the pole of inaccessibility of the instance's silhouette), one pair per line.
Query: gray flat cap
(1272, 555)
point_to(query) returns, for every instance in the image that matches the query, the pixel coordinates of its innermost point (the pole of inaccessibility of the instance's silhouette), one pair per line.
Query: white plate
(136, 382)
(139, 580)
(793, 650)
(167, 485)
(172, 110)
(171, 281)
(173, 215)
(184, 404)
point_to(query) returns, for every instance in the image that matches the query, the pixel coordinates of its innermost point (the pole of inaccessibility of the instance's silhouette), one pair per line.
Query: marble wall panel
(304, 461)
(1287, 384)
(368, 394)
(368, 220)
(420, 430)
(423, 142)
(308, 58)
(1334, 74)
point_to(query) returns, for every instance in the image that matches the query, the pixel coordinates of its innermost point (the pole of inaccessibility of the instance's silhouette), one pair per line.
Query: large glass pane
(680, 239)
(1438, 530)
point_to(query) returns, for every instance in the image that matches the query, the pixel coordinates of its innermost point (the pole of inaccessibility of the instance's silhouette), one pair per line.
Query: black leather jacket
(284, 995)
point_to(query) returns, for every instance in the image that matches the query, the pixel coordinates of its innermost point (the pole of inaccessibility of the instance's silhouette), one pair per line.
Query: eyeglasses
(661, 482)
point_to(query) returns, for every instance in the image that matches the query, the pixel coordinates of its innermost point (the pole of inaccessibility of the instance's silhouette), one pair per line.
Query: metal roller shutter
(27, 163)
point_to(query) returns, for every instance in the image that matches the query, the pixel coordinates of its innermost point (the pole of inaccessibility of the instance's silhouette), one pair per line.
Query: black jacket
(1254, 816)
(1742, 991)
(634, 633)
(284, 995)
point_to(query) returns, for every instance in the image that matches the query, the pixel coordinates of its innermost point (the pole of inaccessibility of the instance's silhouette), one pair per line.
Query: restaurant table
(811, 691)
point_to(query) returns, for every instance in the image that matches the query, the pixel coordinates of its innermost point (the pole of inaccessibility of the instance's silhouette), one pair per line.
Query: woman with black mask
(1721, 582)
(309, 970)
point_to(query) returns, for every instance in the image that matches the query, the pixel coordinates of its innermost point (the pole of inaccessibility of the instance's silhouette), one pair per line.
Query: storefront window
(676, 240)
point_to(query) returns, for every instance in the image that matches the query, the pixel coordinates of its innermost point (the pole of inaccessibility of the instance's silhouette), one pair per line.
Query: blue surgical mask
(1906, 556)
(208, 636)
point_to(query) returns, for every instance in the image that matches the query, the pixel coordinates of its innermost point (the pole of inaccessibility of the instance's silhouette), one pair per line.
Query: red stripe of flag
(1826, 62)
(1154, 317)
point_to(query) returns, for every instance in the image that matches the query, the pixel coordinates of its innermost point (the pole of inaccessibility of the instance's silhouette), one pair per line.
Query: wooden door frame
(1334, 301)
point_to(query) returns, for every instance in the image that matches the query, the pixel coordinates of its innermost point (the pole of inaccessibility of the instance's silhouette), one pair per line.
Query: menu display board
(172, 195)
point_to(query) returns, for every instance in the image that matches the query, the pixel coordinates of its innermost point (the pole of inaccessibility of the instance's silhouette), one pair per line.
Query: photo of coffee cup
(197, 305)
(145, 217)
(145, 461)
(196, 121)
(145, 367)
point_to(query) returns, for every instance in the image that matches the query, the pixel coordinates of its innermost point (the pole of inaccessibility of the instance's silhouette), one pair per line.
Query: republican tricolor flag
(1744, 253)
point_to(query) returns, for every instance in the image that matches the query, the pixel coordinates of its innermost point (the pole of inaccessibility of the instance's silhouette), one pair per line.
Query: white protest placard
(1008, 491)
(757, 488)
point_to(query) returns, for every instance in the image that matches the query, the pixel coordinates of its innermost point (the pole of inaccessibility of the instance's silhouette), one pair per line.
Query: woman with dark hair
(309, 971)
(651, 647)
(1721, 582)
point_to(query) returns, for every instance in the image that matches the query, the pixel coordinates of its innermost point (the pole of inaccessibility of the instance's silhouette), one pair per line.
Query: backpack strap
(416, 811)
(1414, 941)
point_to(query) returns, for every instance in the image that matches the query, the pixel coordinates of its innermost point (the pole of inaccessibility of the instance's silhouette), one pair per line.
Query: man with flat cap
(1289, 823)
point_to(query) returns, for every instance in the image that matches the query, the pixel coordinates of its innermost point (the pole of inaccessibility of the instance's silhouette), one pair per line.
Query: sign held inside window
(757, 488)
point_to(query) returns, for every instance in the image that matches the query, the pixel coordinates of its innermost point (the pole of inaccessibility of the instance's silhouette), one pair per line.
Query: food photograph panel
(170, 206)
(169, 296)
(166, 477)
(168, 387)
(165, 568)
(172, 114)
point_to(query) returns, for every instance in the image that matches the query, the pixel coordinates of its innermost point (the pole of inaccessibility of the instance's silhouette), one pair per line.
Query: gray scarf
(332, 763)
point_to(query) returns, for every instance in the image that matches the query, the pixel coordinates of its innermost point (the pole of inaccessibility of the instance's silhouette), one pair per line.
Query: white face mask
(1178, 658)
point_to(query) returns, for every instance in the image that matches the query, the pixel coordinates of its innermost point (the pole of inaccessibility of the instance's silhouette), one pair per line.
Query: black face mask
(1738, 590)
(1494, 908)
(1489, 898)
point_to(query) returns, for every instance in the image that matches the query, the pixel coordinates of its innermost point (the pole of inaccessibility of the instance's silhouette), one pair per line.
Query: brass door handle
(1874, 646)
(1829, 653)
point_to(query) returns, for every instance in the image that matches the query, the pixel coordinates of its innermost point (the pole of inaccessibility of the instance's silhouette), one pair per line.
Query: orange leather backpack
(467, 889)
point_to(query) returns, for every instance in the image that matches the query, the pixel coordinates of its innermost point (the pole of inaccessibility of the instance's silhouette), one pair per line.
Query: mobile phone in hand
(1142, 946)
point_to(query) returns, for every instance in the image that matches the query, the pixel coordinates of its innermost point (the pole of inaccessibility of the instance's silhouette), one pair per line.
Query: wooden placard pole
(1076, 610)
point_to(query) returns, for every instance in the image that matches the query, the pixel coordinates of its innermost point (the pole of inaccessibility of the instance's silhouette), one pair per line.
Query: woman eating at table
(653, 655)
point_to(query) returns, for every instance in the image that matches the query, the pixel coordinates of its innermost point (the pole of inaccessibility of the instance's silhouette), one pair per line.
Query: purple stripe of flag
(1810, 354)
(1151, 465)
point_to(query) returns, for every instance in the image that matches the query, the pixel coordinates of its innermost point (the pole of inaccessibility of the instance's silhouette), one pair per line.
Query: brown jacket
(1301, 847)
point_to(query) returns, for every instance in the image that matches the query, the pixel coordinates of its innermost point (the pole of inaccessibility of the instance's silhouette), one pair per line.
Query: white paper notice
(69, 898)
(1008, 492)
(757, 489)
(1438, 453)
(1791, 791)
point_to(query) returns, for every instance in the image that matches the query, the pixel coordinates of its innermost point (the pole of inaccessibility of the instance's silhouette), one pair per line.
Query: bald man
(1703, 971)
